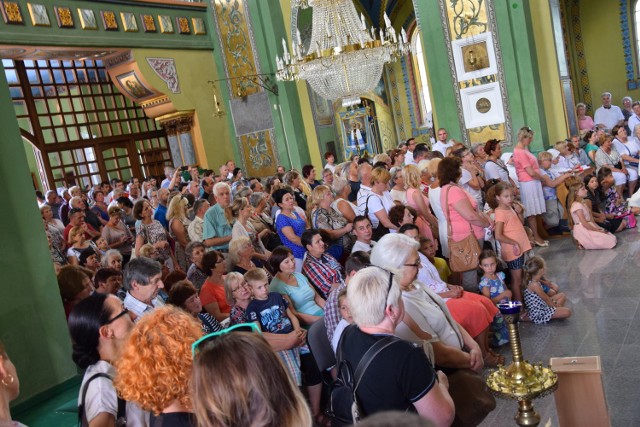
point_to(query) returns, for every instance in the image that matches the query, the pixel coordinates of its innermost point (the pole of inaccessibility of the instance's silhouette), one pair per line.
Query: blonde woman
(178, 225)
(426, 221)
(239, 214)
(323, 216)
(379, 202)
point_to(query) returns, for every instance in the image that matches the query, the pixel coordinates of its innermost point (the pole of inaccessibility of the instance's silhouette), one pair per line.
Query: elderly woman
(178, 225)
(377, 204)
(426, 222)
(240, 257)
(474, 312)
(212, 293)
(325, 217)
(377, 310)
(629, 153)
(99, 206)
(238, 379)
(585, 122)
(461, 211)
(398, 191)
(238, 214)
(117, 234)
(294, 180)
(323, 270)
(53, 226)
(341, 189)
(183, 294)
(426, 317)
(154, 368)
(608, 156)
(239, 296)
(112, 259)
(149, 230)
(11, 388)
(290, 225)
(75, 285)
(99, 327)
(530, 179)
(195, 252)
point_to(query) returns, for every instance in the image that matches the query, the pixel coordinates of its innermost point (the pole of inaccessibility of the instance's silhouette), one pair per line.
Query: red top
(211, 292)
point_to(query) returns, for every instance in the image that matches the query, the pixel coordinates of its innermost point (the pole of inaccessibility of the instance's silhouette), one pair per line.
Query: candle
(328, 29)
(387, 21)
(215, 101)
(298, 37)
(364, 23)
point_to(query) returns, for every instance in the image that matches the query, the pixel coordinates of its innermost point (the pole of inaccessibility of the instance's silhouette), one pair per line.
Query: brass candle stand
(521, 380)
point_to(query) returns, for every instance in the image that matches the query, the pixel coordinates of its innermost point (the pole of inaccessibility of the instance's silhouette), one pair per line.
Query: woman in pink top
(461, 211)
(426, 221)
(530, 177)
(584, 122)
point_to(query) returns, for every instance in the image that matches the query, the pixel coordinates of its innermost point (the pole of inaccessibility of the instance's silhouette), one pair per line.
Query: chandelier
(345, 58)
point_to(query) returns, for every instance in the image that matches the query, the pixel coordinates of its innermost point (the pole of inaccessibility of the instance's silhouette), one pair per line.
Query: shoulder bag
(463, 255)
(121, 416)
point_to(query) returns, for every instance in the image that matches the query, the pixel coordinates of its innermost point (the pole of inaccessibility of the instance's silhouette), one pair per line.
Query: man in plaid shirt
(322, 270)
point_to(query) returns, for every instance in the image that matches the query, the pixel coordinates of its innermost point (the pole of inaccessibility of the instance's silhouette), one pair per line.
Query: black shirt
(173, 419)
(398, 376)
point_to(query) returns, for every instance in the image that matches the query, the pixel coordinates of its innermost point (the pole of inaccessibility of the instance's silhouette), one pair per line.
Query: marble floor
(603, 289)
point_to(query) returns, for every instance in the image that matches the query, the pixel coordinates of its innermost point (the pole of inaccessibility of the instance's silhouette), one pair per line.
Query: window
(422, 84)
(81, 125)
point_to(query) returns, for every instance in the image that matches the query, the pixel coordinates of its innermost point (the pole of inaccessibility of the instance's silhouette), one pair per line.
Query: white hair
(392, 251)
(369, 294)
(219, 186)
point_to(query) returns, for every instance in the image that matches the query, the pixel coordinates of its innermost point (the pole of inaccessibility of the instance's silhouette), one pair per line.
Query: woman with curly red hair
(155, 365)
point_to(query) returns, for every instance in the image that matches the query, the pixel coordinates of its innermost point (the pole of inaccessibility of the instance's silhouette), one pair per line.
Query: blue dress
(298, 225)
(499, 332)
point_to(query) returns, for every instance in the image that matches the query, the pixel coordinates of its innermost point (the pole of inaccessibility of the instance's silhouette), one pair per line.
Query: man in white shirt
(142, 281)
(608, 115)
(363, 230)
(200, 207)
(364, 175)
(408, 156)
(634, 120)
(441, 145)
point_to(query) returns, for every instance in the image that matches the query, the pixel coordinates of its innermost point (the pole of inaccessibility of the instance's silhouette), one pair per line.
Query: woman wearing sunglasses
(155, 366)
(99, 326)
(239, 381)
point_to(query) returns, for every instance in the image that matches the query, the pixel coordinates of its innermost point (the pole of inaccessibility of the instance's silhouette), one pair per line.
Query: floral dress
(610, 203)
(153, 233)
(499, 333)
(331, 219)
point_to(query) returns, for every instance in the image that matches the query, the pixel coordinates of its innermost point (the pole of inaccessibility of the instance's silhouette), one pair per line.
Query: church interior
(103, 89)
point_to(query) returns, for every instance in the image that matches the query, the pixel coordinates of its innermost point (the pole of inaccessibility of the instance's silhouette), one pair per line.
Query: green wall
(32, 321)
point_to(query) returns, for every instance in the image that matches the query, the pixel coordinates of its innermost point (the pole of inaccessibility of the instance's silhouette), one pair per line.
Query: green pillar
(269, 29)
(521, 69)
(32, 322)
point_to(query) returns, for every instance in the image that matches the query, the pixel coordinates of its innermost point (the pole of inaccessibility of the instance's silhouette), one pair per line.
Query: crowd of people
(190, 297)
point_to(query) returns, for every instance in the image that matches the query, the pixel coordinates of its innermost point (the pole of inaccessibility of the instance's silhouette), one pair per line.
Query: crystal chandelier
(345, 58)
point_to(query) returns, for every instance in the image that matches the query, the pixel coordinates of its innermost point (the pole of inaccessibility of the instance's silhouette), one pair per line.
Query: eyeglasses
(417, 264)
(242, 286)
(198, 346)
(122, 313)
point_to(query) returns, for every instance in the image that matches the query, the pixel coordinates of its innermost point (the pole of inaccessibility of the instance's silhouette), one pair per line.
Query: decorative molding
(121, 58)
(396, 106)
(165, 68)
(11, 13)
(39, 15)
(178, 122)
(153, 102)
(109, 20)
(64, 17)
(625, 30)
(87, 19)
(578, 42)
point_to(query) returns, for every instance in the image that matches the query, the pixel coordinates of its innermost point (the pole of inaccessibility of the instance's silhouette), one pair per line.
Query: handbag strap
(122, 404)
(447, 213)
(368, 358)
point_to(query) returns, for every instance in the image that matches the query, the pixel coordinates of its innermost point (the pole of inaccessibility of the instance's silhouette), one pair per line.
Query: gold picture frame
(64, 17)
(199, 29)
(129, 23)
(183, 25)
(166, 25)
(38, 14)
(87, 19)
(109, 20)
(148, 23)
(11, 13)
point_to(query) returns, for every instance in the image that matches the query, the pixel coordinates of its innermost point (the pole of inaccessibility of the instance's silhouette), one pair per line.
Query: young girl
(592, 200)
(493, 287)
(585, 231)
(541, 307)
(609, 197)
(510, 232)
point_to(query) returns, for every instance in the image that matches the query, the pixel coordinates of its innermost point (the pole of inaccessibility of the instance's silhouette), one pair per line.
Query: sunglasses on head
(199, 345)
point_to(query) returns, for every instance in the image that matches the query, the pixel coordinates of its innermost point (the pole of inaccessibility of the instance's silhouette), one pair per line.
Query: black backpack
(344, 408)
(121, 417)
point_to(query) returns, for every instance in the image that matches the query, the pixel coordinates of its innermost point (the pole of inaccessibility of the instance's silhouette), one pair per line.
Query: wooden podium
(580, 399)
